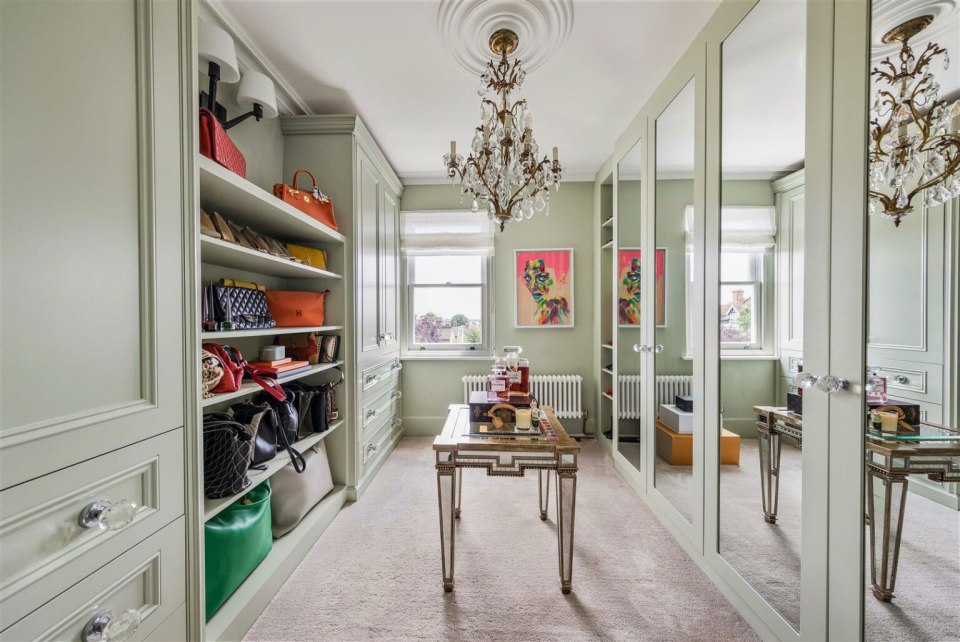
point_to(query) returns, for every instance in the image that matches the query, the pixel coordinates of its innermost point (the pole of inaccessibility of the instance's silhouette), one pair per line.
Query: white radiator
(668, 387)
(560, 392)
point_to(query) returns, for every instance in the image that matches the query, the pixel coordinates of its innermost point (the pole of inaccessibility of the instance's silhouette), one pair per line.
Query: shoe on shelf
(225, 228)
(206, 226)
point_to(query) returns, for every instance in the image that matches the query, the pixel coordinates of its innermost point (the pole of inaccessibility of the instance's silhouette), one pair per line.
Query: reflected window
(741, 291)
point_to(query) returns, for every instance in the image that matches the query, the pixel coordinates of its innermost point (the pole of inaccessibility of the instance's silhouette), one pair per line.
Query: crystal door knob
(805, 380)
(829, 383)
(108, 516)
(107, 627)
(640, 348)
(901, 380)
(658, 348)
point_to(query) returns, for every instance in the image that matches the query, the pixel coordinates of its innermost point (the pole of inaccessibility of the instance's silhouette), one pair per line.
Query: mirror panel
(912, 525)
(672, 287)
(761, 263)
(626, 265)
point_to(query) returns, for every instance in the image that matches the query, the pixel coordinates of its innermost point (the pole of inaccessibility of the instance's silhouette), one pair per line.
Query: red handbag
(296, 309)
(234, 368)
(312, 202)
(216, 145)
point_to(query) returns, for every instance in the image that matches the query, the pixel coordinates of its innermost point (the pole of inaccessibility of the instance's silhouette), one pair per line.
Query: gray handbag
(294, 494)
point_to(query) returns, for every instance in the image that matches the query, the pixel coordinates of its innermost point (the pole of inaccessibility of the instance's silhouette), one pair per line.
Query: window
(448, 263)
(741, 300)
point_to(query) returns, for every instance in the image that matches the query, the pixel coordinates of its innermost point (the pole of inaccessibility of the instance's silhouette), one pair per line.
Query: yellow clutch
(309, 255)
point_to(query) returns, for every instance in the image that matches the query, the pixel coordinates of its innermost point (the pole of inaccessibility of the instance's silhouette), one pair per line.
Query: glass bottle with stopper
(517, 370)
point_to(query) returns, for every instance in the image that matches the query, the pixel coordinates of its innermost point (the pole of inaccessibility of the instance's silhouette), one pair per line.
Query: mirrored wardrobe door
(607, 321)
(672, 290)
(631, 346)
(911, 449)
(759, 277)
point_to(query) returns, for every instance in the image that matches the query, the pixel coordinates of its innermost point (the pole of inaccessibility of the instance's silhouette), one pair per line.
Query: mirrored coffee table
(549, 451)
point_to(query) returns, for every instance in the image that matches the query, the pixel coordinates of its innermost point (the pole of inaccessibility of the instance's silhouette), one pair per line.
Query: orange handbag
(311, 202)
(296, 309)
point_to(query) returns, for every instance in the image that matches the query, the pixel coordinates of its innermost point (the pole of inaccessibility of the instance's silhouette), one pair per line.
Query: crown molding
(349, 124)
(289, 101)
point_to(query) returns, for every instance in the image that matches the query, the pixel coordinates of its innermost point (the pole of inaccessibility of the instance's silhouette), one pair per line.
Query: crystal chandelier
(905, 163)
(501, 171)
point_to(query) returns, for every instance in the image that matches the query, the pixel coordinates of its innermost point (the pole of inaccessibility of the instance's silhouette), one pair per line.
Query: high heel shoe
(206, 226)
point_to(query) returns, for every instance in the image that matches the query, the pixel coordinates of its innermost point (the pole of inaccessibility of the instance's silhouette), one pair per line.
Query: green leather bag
(235, 542)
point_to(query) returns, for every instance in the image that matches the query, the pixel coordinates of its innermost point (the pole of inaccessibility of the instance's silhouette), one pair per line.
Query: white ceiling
(385, 61)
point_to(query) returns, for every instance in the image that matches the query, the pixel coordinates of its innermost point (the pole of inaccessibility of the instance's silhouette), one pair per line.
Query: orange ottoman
(677, 449)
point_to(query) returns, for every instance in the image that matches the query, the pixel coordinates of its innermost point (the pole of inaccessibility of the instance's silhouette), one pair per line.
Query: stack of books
(280, 367)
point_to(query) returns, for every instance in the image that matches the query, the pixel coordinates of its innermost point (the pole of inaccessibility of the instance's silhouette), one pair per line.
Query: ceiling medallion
(913, 131)
(502, 171)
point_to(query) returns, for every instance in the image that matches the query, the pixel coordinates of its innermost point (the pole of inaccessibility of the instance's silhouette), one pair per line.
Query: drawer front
(43, 548)
(373, 448)
(385, 404)
(376, 375)
(913, 382)
(149, 579)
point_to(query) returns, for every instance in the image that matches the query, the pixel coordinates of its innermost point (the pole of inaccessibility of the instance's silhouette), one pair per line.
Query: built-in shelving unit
(245, 203)
(607, 371)
(607, 346)
(608, 395)
(606, 377)
(607, 246)
(607, 223)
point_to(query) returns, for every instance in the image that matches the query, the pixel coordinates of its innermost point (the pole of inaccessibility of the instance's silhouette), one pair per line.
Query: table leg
(456, 511)
(544, 488)
(888, 528)
(446, 491)
(769, 473)
(566, 508)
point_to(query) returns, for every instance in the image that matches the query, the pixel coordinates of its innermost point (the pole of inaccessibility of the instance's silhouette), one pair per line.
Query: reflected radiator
(667, 388)
(561, 392)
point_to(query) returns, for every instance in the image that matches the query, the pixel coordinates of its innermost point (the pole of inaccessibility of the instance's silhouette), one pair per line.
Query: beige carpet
(375, 573)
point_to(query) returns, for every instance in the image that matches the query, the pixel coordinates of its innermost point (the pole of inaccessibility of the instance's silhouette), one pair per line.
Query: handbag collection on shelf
(311, 202)
(243, 305)
(215, 144)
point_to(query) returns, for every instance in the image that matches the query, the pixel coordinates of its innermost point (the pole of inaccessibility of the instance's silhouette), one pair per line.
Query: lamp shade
(257, 88)
(216, 45)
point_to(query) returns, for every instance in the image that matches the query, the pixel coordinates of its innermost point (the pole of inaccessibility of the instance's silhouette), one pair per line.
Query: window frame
(762, 279)
(411, 349)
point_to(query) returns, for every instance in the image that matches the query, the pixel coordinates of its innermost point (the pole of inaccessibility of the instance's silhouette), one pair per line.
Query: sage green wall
(430, 386)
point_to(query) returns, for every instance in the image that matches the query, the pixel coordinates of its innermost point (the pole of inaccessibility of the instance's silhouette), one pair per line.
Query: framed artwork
(543, 288)
(628, 287)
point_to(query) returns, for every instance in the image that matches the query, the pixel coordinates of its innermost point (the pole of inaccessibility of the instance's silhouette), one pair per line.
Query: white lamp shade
(216, 45)
(257, 88)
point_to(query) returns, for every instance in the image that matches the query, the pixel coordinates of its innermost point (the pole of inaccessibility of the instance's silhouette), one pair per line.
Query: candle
(524, 419)
(529, 122)
(453, 149)
(556, 154)
(888, 420)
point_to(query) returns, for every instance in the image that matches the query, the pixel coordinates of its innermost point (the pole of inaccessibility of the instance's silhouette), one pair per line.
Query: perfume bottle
(875, 386)
(498, 382)
(517, 369)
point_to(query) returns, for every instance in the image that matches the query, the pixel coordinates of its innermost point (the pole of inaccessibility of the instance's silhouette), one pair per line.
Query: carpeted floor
(375, 573)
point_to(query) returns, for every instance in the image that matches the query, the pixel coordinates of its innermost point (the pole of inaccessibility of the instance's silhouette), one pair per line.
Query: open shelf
(238, 613)
(212, 507)
(227, 254)
(240, 201)
(608, 245)
(608, 395)
(607, 370)
(237, 334)
(607, 346)
(607, 223)
(251, 387)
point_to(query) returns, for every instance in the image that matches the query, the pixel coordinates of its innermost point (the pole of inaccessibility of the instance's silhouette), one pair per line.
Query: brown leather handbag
(296, 309)
(311, 202)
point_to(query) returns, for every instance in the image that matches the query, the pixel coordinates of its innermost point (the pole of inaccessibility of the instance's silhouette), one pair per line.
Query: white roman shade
(741, 228)
(446, 232)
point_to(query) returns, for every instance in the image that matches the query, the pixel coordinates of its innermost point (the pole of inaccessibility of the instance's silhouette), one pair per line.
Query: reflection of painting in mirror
(912, 539)
(544, 288)
(628, 287)
(760, 300)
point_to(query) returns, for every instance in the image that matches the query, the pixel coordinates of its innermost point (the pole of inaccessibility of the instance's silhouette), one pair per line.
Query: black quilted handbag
(227, 451)
(244, 307)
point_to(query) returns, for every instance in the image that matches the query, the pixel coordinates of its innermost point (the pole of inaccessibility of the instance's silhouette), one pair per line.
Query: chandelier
(502, 171)
(905, 163)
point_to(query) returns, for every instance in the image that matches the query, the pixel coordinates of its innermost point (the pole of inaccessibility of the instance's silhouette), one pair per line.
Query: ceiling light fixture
(909, 93)
(501, 171)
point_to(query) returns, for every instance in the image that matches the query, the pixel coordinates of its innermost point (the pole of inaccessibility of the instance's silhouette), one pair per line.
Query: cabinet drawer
(149, 578)
(914, 381)
(385, 404)
(373, 448)
(377, 374)
(43, 548)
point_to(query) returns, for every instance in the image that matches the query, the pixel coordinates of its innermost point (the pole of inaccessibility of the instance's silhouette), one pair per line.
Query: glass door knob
(805, 380)
(658, 348)
(830, 384)
(640, 348)
(108, 516)
(107, 627)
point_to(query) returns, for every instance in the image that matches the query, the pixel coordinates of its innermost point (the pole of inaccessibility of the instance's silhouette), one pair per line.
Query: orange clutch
(296, 309)
(311, 202)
